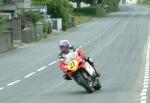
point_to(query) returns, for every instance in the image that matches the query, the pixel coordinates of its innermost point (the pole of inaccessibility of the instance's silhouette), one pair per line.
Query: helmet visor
(62, 47)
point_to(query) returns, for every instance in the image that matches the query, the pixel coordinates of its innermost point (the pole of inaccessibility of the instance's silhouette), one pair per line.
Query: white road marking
(85, 43)
(143, 101)
(89, 41)
(143, 97)
(42, 68)
(29, 75)
(1, 88)
(145, 83)
(146, 76)
(52, 63)
(80, 46)
(12, 83)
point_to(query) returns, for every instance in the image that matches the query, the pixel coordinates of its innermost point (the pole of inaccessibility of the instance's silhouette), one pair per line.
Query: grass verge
(82, 19)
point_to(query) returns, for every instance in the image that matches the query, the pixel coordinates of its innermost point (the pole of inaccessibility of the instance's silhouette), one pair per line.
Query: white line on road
(42, 68)
(80, 46)
(85, 43)
(12, 83)
(89, 41)
(29, 75)
(1, 88)
(52, 63)
(143, 95)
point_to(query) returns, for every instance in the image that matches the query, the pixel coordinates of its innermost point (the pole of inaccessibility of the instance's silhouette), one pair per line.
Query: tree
(78, 2)
(111, 5)
(58, 9)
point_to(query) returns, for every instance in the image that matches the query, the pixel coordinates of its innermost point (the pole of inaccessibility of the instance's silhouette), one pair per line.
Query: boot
(66, 77)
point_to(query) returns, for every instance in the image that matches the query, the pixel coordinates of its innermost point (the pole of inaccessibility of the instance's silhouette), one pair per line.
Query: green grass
(82, 19)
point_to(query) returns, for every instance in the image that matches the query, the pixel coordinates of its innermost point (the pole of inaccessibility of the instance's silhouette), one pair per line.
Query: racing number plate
(73, 65)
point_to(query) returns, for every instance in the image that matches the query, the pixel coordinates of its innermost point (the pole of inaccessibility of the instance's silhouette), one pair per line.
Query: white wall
(131, 1)
(82, 4)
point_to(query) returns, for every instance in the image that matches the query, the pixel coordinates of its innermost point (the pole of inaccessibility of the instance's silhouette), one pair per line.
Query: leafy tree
(78, 2)
(111, 5)
(58, 9)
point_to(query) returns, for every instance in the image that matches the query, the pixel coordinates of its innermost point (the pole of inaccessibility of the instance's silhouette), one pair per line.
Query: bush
(93, 11)
(111, 5)
(45, 26)
(30, 17)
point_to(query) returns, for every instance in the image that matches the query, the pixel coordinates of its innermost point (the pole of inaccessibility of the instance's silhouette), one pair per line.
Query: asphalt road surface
(118, 43)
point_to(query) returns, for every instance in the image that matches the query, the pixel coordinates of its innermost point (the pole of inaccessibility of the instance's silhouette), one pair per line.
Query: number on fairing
(73, 65)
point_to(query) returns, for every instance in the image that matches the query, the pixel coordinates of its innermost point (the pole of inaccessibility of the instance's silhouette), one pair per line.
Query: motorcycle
(81, 71)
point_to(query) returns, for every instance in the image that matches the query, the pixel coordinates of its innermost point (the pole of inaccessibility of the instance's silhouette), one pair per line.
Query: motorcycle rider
(65, 48)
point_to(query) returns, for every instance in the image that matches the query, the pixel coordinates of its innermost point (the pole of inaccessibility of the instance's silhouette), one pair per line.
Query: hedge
(94, 11)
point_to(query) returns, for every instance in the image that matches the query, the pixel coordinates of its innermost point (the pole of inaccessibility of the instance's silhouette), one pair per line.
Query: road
(118, 44)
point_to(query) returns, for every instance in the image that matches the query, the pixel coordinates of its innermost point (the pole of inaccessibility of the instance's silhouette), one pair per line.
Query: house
(18, 3)
(10, 9)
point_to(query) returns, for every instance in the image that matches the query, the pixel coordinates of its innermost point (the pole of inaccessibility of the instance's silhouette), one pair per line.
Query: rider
(65, 48)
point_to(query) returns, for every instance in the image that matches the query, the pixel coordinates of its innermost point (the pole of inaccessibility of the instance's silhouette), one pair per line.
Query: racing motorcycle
(81, 71)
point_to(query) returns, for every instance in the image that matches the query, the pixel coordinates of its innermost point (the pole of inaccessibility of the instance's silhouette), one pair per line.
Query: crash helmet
(64, 46)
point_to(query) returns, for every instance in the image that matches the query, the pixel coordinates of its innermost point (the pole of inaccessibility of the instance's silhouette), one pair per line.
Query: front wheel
(85, 83)
(97, 85)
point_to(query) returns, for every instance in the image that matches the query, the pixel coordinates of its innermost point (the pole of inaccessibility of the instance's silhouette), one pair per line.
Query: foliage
(58, 9)
(111, 5)
(30, 16)
(144, 1)
(45, 26)
(79, 19)
(93, 11)
(7, 1)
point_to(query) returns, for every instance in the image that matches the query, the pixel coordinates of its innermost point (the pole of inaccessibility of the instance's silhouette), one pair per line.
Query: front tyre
(85, 83)
(98, 85)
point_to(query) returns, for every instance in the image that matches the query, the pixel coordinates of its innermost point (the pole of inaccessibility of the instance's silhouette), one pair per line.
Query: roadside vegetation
(58, 9)
(111, 5)
(30, 17)
(63, 9)
(147, 2)
(98, 9)
(80, 19)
